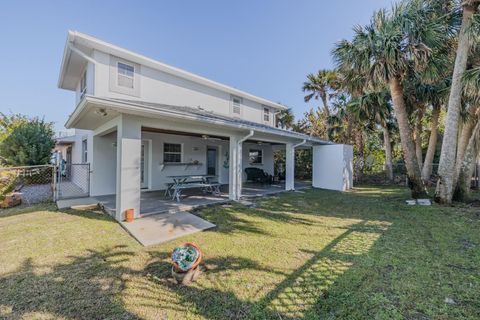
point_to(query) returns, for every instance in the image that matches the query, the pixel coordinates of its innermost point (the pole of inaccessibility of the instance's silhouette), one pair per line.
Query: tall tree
(446, 169)
(385, 51)
(320, 86)
(25, 141)
(285, 118)
(375, 107)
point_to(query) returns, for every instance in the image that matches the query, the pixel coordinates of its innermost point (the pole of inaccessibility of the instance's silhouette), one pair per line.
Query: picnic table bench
(183, 182)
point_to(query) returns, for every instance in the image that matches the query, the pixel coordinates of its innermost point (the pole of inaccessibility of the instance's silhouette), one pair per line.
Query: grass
(313, 255)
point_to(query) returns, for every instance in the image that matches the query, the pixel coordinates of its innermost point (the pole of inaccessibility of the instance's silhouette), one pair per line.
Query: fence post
(54, 174)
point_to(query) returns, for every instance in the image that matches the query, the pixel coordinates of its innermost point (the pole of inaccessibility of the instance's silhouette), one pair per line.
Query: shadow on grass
(24, 209)
(87, 287)
(91, 286)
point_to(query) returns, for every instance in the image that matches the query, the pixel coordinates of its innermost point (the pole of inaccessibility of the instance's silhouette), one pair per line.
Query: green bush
(25, 141)
(8, 181)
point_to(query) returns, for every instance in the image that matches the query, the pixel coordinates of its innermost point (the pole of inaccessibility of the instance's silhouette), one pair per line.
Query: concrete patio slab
(159, 228)
(68, 203)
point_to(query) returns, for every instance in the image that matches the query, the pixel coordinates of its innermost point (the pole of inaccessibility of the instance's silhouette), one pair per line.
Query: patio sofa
(258, 175)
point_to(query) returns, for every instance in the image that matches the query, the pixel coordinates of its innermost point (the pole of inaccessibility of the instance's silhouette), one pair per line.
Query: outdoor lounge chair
(258, 175)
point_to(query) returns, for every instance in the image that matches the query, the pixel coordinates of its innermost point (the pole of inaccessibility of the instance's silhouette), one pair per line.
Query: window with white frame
(266, 114)
(172, 152)
(255, 156)
(125, 75)
(236, 105)
(84, 151)
(83, 84)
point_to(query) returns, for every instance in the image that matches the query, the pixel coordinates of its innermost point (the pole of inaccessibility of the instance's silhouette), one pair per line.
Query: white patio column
(128, 167)
(232, 172)
(289, 167)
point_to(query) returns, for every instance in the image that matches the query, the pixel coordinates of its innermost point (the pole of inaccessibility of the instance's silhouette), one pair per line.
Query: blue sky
(265, 47)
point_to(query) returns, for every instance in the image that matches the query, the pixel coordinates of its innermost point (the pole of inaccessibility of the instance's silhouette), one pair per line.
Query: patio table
(182, 182)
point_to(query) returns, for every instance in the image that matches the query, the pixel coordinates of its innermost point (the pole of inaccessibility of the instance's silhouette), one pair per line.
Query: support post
(128, 167)
(232, 179)
(289, 167)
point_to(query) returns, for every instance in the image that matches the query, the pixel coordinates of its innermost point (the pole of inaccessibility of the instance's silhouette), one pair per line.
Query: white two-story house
(139, 122)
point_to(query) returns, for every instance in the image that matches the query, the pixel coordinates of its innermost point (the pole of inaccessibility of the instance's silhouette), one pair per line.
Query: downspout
(299, 144)
(238, 169)
(247, 136)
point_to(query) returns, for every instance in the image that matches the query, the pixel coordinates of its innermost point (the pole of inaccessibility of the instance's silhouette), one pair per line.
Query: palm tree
(446, 169)
(375, 106)
(434, 96)
(285, 118)
(319, 86)
(471, 96)
(385, 51)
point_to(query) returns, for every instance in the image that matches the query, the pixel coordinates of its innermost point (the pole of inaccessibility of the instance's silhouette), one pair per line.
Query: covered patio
(140, 147)
(155, 202)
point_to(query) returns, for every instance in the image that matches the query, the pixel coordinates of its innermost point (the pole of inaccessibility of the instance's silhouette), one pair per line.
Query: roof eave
(135, 108)
(65, 59)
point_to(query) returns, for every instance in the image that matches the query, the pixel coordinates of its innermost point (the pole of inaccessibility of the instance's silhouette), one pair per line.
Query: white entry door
(144, 165)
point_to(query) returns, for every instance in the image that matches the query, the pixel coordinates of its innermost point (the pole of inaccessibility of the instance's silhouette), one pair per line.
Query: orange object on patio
(129, 215)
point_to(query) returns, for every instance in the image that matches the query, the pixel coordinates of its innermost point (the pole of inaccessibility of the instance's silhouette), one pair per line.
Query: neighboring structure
(139, 121)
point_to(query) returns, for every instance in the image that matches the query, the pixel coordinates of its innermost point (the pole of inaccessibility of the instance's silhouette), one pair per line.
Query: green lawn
(313, 255)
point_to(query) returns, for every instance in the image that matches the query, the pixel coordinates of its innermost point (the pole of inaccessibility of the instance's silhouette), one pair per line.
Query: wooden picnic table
(190, 181)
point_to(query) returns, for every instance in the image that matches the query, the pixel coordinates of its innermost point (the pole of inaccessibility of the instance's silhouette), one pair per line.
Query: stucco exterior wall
(333, 167)
(158, 174)
(160, 87)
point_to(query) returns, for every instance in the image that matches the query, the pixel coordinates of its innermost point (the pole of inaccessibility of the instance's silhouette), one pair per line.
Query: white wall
(267, 152)
(160, 87)
(333, 167)
(103, 165)
(193, 148)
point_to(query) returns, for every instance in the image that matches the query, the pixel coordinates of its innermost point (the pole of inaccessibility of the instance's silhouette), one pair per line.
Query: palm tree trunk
(462, 190)
(387, 144)
(325, 104)
(446, 169)
(360, 155)
(463, 140)
(432, 144)
(413, 170)
(418, 138)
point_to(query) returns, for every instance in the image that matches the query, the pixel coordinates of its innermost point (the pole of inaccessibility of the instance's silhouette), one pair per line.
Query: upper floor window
(84, 151)
(172, 152)
(236, 105)
(125, 75)
(83, 84)
(266, 114)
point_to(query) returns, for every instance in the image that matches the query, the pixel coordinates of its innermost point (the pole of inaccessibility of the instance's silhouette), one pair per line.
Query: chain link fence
(35, 184)
(73, 181)
(376, 175)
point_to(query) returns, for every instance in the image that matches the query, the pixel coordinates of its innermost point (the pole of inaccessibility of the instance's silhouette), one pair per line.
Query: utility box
(332, 167)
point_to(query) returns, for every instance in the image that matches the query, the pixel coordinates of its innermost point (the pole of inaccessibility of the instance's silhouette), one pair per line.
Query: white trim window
(266, 114)
(125, 75)
(236, 105)
(255, 156)
(172, 152)
(83, 84)
(85, 150)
